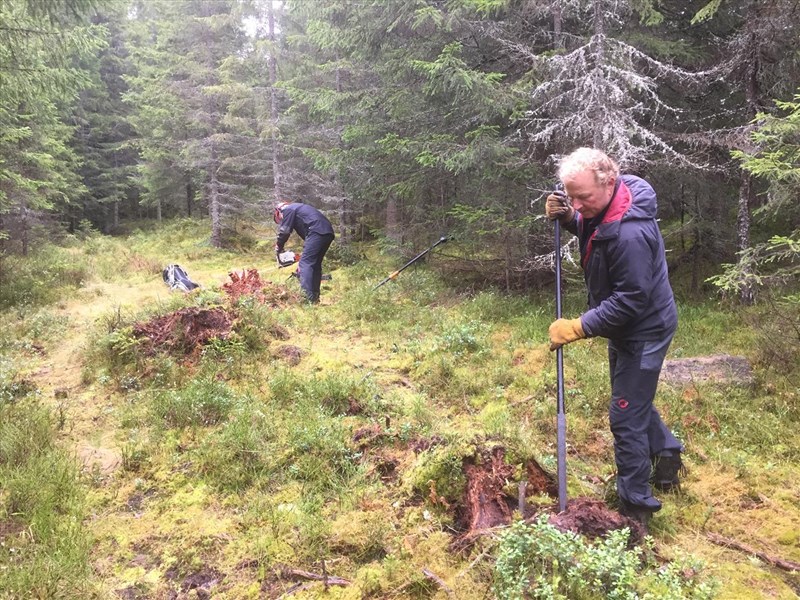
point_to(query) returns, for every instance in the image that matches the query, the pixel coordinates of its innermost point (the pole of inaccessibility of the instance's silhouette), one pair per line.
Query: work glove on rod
(557, 206)
(565, 331)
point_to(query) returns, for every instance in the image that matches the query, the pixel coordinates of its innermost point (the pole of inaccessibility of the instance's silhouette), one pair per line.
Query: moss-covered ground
(130, 475)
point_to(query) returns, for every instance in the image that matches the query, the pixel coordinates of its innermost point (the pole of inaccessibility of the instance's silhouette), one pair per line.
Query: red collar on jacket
(619, 204)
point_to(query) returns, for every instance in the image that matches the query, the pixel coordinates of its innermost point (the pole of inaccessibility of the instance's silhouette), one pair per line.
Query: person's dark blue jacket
(625, 268)
(303, 219)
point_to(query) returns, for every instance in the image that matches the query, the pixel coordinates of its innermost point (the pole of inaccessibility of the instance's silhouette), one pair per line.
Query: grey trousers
(310, 267)
(639, 432)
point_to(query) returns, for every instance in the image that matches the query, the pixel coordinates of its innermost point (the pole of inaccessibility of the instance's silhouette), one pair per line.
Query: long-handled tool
(561, 418)
(394, 275)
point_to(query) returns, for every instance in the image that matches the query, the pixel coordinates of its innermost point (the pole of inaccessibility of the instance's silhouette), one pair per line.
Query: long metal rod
(561, 417)
(394, 275)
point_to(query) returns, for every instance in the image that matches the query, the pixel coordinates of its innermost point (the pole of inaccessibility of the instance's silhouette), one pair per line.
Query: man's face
(589, 197)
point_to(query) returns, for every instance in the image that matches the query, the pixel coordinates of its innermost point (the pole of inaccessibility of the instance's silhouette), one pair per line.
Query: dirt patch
(592, 518)
(201, 582)
(101, 460)
(137, 500)
(421, 444)
(184, 331)
(387, 467)
(290, 354)
(249, 283)
(369, 435)
(718, 368)
(278, 332)
(130, 593)
(10, 528)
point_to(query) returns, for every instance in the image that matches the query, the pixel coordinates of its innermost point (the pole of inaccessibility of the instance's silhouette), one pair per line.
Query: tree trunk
(599, 50)
(115, 217)
(158, 209)
(273, 108)
(214, 202)
(24, 228)
(696, 247)
(346, 229)
(558, 35)
(746, 292)
(394, 230)
(189, 195)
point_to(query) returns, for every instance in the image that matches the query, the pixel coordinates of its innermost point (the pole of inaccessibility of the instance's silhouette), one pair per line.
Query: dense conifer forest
(397, 440)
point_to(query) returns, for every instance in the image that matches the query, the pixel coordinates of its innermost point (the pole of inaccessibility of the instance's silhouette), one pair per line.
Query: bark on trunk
(599, 50)
(273, 108)
(696, 247)
(746, 292)
(393, 226)
(24, 228)
(214, 202)
(189, 195)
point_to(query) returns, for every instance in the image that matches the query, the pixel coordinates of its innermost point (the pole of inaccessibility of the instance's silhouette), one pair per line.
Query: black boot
(666, 468)
(640, 514)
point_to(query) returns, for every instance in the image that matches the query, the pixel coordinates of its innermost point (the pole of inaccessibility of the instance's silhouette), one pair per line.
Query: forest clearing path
(89, 431)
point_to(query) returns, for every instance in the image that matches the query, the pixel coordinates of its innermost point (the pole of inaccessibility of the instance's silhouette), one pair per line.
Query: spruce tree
(41, 47)
(197, 104)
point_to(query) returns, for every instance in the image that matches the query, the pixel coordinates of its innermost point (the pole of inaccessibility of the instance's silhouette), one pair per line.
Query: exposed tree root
(438, 581)
(249, 283)
(786, 565)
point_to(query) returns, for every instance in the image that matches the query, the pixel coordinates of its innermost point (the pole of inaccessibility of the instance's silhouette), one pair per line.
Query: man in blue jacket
(317, 231)
(631, 304)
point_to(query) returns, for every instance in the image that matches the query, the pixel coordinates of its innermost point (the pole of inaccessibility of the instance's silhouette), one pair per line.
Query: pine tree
(407, 115)
(761, 42)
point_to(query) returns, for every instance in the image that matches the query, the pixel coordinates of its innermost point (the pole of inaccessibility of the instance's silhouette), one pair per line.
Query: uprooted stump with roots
(185, 330)
(249, 283)
(488, 503)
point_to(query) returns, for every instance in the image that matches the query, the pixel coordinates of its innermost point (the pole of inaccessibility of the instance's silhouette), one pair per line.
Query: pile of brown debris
(186, 331)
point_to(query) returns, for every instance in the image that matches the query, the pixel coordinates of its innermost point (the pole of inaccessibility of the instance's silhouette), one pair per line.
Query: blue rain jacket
(304, 219)
(625, 268)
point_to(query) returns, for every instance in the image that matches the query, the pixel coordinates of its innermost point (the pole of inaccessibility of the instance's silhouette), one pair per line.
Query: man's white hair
(588, 159)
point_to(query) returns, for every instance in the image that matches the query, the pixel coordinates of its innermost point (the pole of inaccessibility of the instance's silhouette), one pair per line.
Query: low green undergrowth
(353, 453)
(539, 561)
(47, 274)
(45, 547)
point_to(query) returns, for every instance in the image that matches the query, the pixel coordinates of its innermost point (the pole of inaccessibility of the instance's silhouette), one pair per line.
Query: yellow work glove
(557, 206)
(565, 331)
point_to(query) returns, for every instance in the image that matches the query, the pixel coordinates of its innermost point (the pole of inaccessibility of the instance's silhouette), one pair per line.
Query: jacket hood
(634, 199)
(644, 204)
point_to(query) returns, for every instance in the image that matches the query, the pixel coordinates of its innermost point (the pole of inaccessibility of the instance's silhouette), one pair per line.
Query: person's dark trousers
(310, 266)
(639, 432)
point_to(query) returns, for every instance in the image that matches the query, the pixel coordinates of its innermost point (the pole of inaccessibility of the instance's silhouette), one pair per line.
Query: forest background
(137, 133)
(402, 120)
